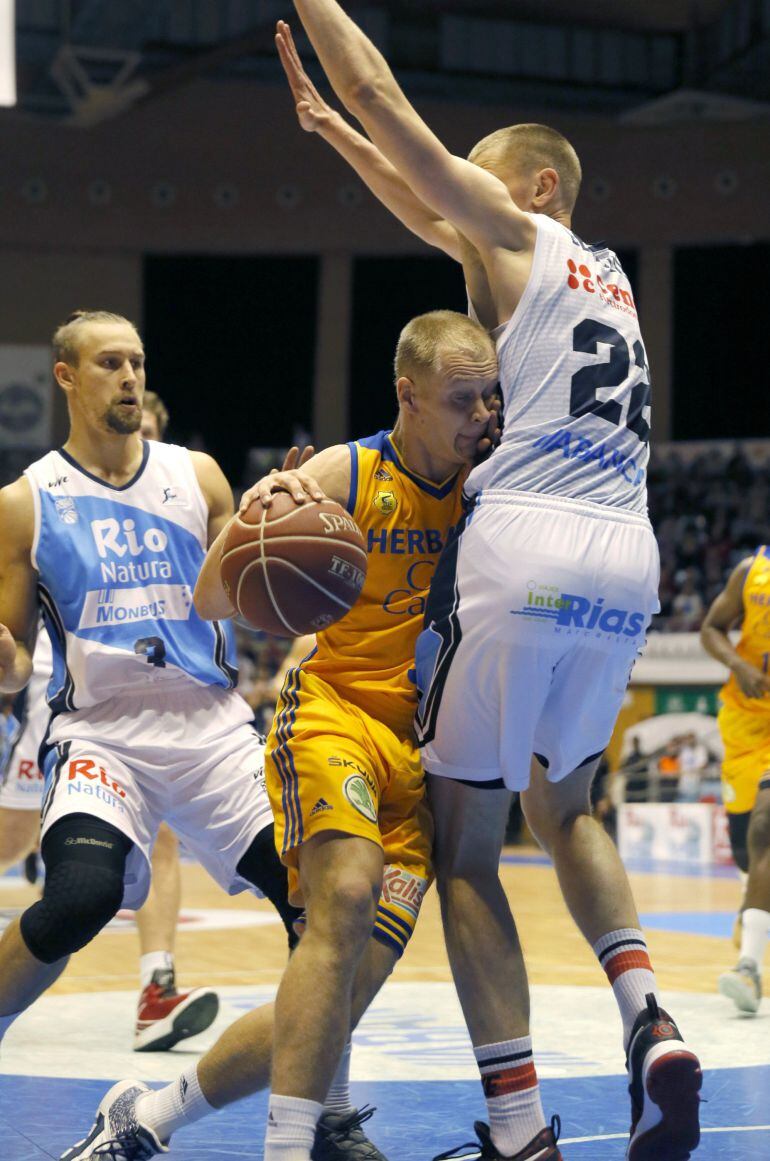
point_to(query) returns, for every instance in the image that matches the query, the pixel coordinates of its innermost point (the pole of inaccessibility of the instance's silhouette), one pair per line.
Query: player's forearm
(716, 642)
(387, 185)
(210, 599)
(16, 674)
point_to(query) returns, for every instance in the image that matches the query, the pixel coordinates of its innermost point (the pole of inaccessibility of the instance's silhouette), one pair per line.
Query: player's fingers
(290, 459)
(312, 488)
(307, 454)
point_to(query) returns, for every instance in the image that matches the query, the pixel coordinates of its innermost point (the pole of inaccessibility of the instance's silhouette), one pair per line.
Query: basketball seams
(293, 539)
(280, 560)
(263, 558)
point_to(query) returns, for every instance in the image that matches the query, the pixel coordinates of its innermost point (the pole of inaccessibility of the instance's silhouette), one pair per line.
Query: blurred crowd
(708, 511)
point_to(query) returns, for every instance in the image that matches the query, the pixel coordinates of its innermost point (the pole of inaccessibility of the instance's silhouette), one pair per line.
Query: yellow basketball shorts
(746, 738)
(330, 766)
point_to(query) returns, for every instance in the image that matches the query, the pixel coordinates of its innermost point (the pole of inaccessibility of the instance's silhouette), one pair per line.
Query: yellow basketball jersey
(754, 643)
(405, 520)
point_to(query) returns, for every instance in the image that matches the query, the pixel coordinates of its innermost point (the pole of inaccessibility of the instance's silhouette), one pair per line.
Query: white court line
(624, 1136)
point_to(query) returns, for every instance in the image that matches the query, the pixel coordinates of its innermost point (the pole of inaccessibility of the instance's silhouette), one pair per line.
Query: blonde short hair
(531, 147)
(153, 403)
(426, 338)
(66, 339)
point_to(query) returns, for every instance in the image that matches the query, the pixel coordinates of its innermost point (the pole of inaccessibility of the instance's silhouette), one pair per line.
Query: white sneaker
(116, 1134)
(743, 985)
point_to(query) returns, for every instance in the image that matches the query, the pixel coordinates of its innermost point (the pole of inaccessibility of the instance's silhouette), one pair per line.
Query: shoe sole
(189, 1019)
(672, 1085)
(740, 993)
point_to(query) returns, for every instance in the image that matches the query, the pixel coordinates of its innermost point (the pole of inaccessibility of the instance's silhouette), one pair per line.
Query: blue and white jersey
(575, 381)
(117, 567)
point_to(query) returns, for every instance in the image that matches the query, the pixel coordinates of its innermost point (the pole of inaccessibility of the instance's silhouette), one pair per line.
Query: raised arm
(724, 613)
(474, 201)
(18, 586)
(383, 179)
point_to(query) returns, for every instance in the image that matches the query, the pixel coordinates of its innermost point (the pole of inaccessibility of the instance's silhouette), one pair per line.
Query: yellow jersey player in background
(744, 723)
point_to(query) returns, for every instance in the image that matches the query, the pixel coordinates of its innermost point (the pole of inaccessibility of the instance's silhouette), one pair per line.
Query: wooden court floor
(555, 951)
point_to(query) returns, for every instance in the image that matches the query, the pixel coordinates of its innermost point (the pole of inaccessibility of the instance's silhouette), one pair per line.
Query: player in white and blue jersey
(109, 534)
(540, 604)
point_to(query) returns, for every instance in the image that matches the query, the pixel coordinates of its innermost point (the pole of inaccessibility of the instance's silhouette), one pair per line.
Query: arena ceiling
(84, 61)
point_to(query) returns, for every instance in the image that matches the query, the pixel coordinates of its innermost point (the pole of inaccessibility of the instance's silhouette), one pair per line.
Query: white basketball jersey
(575, 382)
(117, 567)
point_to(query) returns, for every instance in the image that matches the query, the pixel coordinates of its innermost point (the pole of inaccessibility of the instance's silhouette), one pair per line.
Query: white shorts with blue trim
(190, 758)
(537, 612)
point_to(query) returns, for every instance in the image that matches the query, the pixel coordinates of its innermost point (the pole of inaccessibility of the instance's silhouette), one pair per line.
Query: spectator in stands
(668, 771)
(693, 762)
(688, 607)
(635, 769)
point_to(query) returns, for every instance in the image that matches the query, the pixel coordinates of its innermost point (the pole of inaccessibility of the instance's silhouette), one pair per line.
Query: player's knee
(78, 901)
(85, 864)
(738, 827)
(262, 867)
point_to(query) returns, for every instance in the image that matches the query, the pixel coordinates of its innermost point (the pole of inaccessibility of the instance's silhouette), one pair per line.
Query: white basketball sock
(512, 1092)
(154, 961)
(623, 955)
(756, 925)
(180, 1103)
(291, 1125)
(338, 1098)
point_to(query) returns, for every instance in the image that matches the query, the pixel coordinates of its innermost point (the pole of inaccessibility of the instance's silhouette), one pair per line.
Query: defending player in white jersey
(146, 723)
(540, 605)
(165, 1016)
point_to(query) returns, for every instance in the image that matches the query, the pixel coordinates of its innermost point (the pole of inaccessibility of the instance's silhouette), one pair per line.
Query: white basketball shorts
(188, 757)
(21, 781)
(537, 611)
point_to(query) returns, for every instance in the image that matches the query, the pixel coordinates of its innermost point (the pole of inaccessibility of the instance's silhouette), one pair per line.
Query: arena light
(7, 52)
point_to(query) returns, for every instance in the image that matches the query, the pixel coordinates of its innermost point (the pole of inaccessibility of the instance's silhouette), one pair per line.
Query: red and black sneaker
(664, 1080)
(543, 1147)
(166, 1016)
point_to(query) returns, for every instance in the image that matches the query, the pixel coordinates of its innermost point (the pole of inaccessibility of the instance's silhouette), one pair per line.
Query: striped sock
(510, 1085)
(623, 955)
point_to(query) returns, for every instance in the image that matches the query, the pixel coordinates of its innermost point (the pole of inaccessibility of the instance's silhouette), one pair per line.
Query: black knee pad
(738, 825)
(261, 866)
(85, 861)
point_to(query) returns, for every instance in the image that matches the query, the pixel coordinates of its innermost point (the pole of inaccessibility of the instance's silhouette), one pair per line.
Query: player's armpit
(18, 586)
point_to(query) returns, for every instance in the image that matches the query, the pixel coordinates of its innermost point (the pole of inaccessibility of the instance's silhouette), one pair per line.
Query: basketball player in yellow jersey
(744, 722)
(342, 766)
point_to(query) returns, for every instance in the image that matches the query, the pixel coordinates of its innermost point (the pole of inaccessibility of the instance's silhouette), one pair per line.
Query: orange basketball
(293, 568)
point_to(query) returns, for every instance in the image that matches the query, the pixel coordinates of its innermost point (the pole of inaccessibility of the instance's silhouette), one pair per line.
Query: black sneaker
(543, 1147)
(339, 1137)
(664, 1080)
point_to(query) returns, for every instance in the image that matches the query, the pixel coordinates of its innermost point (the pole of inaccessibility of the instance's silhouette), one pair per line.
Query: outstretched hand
(312, 111)
(290, 478)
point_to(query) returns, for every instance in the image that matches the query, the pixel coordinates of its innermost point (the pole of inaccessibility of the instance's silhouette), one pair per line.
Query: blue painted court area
(718, 923)
(41, 1116)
